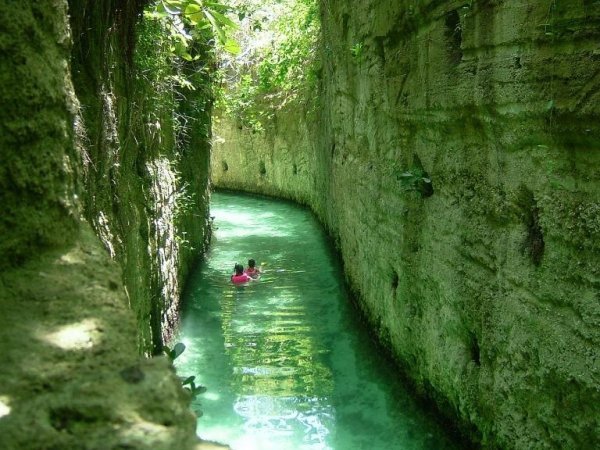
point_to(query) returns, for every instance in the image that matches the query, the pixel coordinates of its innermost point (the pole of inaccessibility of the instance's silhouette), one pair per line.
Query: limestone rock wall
(72, 376)
(281, 162)
(456, 161)
(146, 189)
(35, 118)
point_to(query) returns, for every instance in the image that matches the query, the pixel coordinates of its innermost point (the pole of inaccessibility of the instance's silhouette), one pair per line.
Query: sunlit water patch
(286, 363)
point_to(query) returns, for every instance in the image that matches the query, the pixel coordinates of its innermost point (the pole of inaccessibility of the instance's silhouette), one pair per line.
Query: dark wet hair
(251, 263)
(239, 269)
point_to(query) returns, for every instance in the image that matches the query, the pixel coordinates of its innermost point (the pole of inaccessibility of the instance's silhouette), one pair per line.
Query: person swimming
(252, 270)
(239, 277)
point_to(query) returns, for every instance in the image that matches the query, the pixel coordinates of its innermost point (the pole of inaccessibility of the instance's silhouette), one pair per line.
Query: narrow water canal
(287, 364)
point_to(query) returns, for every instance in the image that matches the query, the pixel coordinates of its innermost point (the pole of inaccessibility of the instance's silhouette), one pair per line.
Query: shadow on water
(287, 363)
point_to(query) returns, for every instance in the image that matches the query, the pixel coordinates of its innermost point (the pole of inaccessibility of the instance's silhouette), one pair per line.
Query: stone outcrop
(145, 187)
(72, 377)
(455, 159)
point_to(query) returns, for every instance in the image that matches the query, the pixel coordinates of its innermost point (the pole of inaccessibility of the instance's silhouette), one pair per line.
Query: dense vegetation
(265, 51)
(278, 62)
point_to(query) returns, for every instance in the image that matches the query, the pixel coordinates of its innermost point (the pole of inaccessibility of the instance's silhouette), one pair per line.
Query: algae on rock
(150, 209)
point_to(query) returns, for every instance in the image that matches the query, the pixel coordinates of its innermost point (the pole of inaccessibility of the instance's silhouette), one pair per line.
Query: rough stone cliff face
(455, 160)
(145, 189)
(70, 147)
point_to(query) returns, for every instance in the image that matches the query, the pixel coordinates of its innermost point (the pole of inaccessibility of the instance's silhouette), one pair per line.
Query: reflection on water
(286, 364)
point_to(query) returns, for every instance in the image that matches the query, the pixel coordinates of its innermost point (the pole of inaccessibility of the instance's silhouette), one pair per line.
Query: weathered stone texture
(72, 376)
(35, 118)
(488, 290)
(280, 162)
(146, 192)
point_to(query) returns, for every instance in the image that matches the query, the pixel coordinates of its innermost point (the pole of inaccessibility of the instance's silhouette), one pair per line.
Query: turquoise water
(286, 362)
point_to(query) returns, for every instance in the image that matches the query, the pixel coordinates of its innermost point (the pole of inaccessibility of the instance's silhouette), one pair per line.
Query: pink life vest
(239, 279)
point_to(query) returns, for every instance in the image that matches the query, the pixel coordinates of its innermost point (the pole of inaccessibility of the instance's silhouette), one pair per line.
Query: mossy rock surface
(72, 376)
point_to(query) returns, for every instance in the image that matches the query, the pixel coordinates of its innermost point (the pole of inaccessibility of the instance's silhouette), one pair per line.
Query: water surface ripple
(287, 364)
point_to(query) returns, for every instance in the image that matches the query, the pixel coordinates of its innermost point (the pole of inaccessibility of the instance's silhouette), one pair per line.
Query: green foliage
(151, 58)
(278, 63)
(189, 21)
(357, 52)
(416, 179)
(173, 90)
(187, 383)
(175, 352)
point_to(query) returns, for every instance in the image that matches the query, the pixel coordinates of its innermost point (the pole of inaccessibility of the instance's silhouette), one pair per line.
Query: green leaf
(195, 14)
(192, 9)
(159, 13)
(177, 350)
(187, 56)
(179, 49)
(200, 390)
(232, 46)
(224, 20)
(220, 32)
(160, 8)
(188, 380)
(217, 6)
(173, 7)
